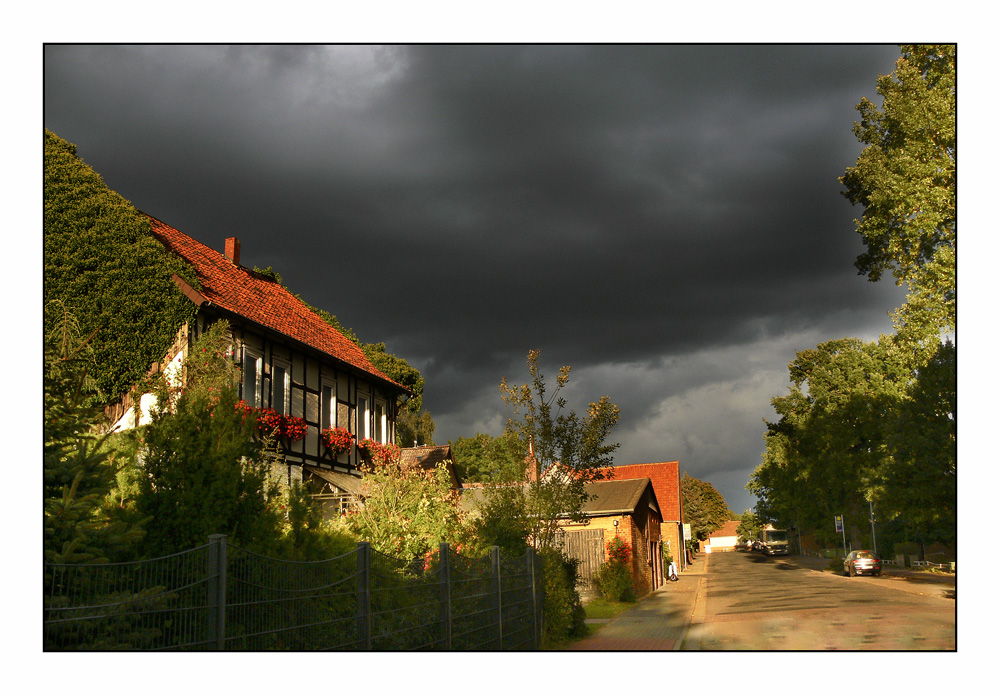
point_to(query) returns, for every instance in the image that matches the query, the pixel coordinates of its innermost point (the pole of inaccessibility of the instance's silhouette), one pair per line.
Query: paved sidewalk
(658, 622)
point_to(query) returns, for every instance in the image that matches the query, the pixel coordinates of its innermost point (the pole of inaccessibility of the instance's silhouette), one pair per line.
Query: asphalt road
(750, 602)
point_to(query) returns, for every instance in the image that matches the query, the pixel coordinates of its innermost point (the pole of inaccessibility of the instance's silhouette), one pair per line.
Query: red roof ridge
(261, 300)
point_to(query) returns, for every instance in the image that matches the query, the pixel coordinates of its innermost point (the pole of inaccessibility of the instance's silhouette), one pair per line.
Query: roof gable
(666, 480)
(250, 296)
(615, 496)
(427, 457)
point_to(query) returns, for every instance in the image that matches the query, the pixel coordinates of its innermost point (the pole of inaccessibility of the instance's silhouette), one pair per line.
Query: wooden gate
(587, 547)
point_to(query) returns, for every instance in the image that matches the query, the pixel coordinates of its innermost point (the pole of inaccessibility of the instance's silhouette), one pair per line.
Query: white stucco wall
(147, 401)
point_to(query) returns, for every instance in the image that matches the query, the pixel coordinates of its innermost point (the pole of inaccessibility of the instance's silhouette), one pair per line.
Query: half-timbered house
(291, 360)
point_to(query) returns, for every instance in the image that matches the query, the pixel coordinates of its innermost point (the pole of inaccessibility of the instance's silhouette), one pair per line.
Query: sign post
(871, 512)
(838, 522)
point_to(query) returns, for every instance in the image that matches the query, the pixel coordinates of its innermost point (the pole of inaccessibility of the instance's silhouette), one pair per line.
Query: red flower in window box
(379, 454)
(337, 439)
(286, 428)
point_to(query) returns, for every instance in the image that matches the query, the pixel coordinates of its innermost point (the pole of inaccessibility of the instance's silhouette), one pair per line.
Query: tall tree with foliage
(749, 526)
(414, 424)
(202, 470)
(906, 180)
(874, 425)
(704, 508)
(827, 453)
(487, 459)
(919, 479)
(103, 264)
(565, 450)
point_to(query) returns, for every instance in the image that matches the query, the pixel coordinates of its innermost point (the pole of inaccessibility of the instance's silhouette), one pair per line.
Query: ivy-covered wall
(103, 263)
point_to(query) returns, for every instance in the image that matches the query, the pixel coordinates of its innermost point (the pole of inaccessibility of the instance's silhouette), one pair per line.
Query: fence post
(535, 630)
(495, 567)
(444, 566)
(217, 590)
(364, 596)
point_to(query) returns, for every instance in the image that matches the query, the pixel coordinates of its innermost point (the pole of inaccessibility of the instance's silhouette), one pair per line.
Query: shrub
(563, 614)
(614, 579)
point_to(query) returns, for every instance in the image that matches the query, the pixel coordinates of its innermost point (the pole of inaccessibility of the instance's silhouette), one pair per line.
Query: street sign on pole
(839, 523)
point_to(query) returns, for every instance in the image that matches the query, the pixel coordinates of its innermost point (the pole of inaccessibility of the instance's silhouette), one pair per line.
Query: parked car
(862, 562)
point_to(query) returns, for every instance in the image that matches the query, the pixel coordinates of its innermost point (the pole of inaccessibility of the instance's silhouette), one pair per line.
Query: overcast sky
(665, 219)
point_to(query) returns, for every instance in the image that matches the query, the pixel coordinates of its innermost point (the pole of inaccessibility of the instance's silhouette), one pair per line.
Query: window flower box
(285, 428)
(378, 454)
(337, 439)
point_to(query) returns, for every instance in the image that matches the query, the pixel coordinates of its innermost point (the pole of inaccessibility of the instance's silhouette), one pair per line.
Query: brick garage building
(626, 509)
(666, 480)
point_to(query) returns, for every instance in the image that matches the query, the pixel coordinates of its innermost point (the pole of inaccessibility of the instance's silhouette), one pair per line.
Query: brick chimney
(233, 250)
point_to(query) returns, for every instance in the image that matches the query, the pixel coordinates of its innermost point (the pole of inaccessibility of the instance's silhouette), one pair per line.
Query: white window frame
(286, 406)
(255, 400)
(382, 421)
(328, 407)
(364, 416)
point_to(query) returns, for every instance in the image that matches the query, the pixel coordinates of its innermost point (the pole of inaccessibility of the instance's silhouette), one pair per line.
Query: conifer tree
(77, 473)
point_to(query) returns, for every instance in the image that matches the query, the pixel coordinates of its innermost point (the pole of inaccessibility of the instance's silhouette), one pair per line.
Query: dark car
(862, 562)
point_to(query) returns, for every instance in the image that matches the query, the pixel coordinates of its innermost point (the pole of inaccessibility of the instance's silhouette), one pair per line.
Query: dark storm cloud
(659, 217)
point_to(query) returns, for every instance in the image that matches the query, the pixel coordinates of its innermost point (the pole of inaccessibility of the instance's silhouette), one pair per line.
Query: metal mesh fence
(290, 605)
(474, 619)
(225, 597)
(153, 604)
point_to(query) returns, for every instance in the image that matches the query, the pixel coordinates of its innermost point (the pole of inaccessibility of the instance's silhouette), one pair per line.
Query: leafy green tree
(565, 450)
(414, 424)
(918, 481)
(103, 264)
(414, 428)
(906, 180)
(486, 459)
(704, 508)
(202, 470)
(749, 526)
(826, 454)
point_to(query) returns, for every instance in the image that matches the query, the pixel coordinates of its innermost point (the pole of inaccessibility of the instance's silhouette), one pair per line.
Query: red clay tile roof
(265, 302)
(666, 480)
(728, 529)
